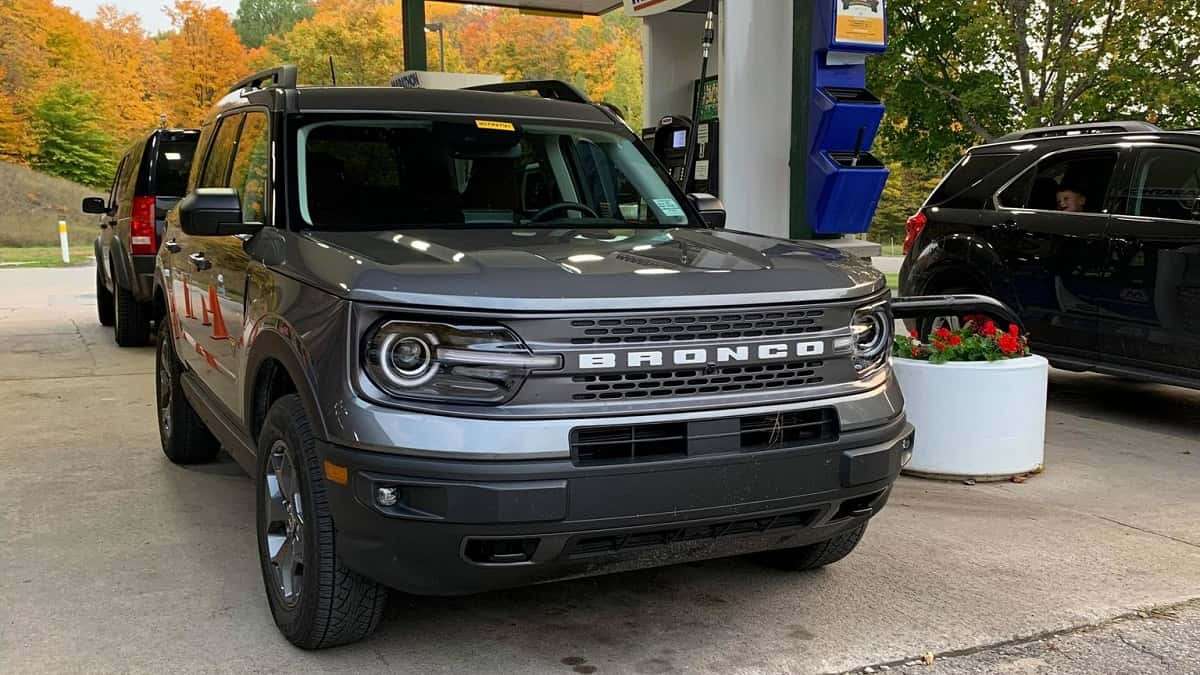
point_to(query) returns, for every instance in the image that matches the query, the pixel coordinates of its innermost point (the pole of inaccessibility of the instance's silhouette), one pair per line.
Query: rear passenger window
(216, 167)
(1165, 184)
(1075, 182)
(251, 165)
(172, 166)
(955, 190)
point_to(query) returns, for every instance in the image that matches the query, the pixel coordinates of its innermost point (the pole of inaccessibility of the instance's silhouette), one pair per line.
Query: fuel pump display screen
(679, 139)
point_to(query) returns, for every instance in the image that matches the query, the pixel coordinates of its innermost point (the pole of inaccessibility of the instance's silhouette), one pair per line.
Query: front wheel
(316, 601)
(105, 311)
(815, 555)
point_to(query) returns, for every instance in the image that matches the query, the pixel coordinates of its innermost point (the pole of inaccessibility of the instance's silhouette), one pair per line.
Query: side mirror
(213, 212)
(711, 209)
(95, 205)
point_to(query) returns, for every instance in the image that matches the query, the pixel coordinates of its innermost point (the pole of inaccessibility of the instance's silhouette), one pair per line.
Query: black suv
(150, 180)
(1091, 232)
(466, 340)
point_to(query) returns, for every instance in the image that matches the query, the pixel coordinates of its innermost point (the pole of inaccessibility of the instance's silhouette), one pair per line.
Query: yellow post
(62, 241)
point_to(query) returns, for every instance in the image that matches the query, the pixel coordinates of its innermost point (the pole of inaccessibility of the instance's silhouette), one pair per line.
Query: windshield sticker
(669, 207)
(494, 125)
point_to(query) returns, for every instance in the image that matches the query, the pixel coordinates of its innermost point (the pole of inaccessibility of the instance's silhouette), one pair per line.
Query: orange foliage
(203, 56)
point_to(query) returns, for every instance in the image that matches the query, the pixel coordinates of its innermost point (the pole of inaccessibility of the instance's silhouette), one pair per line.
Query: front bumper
(468, 526)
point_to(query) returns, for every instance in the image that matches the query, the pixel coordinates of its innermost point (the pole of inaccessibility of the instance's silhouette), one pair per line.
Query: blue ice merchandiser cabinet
(845, 180)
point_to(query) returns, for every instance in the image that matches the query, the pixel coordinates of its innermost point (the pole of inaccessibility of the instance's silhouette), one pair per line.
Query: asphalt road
(114, 559)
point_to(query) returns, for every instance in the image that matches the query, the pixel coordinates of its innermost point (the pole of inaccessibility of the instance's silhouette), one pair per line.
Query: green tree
(964, 71)
(71, 141)
(258, 20)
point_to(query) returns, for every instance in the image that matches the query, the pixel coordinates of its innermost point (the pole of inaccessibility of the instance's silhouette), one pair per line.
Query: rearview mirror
(711, 209)
(213, 212)
(95, 205)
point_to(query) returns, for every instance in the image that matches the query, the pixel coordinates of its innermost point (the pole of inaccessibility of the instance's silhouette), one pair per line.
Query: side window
(1165, 184)
(251, 166)
(220, 153)
(113, 192)
(1075, 182)
(957, 189)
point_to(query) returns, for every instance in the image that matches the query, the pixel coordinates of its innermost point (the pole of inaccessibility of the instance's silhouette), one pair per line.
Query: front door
(1050, 229)
(1151, 318)
(225, 292)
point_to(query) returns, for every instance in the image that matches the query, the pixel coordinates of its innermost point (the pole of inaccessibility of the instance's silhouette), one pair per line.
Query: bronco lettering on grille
(700, 355)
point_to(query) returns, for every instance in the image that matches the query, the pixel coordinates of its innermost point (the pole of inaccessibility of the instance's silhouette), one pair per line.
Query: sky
(154, 19)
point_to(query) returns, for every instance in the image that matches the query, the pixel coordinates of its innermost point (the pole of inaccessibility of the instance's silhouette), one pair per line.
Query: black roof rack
(1133, 126)
(553, 89)
(283, 77)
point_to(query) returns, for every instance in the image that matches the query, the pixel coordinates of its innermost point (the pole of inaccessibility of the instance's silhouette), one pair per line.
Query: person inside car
(1070, 199)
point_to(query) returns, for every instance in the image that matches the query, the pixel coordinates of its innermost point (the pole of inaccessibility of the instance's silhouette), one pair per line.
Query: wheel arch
(274, 370)
(961, 262)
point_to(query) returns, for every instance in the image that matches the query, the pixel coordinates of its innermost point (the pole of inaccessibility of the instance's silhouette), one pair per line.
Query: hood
(542, 269)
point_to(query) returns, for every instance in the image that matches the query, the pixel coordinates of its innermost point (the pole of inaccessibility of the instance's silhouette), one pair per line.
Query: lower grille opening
(799, 427)
(500, 551)
(857, 506)
(634, 443)
(643, 539)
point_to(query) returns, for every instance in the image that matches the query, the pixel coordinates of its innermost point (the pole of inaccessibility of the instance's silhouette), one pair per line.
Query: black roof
(1050, 143)
(454, 101)
(431, 101)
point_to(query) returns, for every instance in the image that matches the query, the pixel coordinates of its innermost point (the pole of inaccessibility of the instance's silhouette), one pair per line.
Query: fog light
(387, 496)
(906, 451)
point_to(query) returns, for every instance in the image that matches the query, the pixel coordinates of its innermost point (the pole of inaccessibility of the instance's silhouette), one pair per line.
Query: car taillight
(143, 240)
(912, 229)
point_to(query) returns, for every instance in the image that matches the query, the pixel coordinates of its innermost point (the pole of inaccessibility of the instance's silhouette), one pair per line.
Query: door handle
(1007, 226)
(172, 246)
(199, 261)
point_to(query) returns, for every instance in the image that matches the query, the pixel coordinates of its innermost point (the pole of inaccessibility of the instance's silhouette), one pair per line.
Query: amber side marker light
(336, 474)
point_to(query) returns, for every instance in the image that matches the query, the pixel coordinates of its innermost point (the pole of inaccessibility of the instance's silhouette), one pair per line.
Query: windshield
(375, 174)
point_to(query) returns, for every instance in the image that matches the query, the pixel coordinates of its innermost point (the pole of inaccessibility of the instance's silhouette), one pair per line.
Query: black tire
(185, 438)
(816, 555)
(131, 326)
(329, 604)
(105, 311)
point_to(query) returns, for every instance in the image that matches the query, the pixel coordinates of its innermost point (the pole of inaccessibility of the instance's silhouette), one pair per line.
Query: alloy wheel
(284, 531)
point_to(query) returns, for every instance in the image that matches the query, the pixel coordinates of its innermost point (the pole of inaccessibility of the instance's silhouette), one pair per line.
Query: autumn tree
(203, 56)
(71, 140)
(362, 36)
(130, 93)
(959, 72)
(258, 20)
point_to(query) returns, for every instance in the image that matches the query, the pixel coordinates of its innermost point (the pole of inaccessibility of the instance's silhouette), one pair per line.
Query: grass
(32, 203)
(893, 280)
(42, 256)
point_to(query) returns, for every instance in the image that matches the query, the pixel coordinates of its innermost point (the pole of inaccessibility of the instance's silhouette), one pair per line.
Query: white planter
(980, 420)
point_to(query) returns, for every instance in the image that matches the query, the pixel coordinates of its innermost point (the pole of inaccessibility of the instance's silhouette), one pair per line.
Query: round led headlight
(407, 360)
(871, 333)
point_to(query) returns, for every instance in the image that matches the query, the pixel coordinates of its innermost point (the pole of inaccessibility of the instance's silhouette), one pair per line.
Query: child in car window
(1070, 199)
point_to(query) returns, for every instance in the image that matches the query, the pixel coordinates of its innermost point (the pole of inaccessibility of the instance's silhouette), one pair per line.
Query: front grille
(641, 539)
(723, 380)
(680, 328)
(632, 443)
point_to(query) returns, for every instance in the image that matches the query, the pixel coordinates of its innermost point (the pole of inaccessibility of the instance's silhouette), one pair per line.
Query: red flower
(989, 328)
(913, 334)
(955, 341)
(1009, 344)
(943, 333)
(1014, 330)
(916, 351)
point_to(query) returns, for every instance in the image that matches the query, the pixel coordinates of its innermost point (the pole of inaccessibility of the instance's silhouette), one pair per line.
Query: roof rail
(553, 89)
(283, 77)
(1132, 126)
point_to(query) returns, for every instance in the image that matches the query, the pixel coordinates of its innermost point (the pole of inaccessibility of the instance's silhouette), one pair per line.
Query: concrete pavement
(114, 559)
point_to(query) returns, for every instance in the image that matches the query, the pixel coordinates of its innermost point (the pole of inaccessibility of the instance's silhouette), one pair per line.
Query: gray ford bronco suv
(467, 340)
